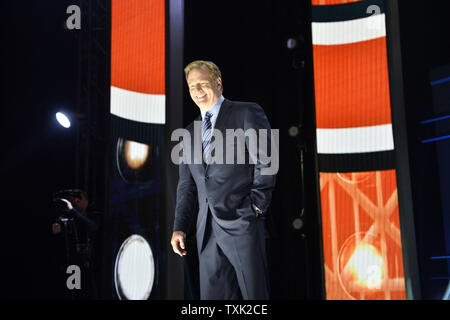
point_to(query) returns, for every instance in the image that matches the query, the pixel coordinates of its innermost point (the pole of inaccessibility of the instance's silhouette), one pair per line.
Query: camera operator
(78, 228)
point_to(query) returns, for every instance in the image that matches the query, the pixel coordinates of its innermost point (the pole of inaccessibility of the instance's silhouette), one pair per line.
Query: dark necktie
(206, 135)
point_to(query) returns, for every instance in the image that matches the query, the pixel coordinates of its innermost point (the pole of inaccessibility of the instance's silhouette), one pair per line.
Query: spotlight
(361, 267)
(135, 160)
(136, 154)
(134, 270)
(367, 267)
(63, 120)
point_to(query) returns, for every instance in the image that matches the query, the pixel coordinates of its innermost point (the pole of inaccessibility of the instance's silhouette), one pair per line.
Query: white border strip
(136, 106)
(355, 140)
(351, 31)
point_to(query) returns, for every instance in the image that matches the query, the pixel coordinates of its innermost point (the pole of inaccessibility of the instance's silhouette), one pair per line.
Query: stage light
(134, 270)
(134, 160)
(366, 266)
(136, 154)
(63, 119)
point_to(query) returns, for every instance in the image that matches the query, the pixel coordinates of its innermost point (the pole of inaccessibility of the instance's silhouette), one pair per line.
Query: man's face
(81, 205)
(203, 89)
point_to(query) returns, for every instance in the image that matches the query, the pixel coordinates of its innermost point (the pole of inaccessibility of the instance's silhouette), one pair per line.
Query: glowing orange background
(358, 203)
(138, 45)
(352, 84)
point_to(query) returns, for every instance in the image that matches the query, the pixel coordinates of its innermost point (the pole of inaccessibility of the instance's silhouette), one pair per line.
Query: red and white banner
(359, 205)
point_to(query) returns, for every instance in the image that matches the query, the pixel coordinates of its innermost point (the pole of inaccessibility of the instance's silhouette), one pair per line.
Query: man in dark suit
(233, 195)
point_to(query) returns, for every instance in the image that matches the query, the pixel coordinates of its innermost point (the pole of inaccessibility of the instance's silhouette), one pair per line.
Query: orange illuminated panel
(361, 236)
(331, 2)
(138, 45)
(138, 60)
(352, 84)
(359, 206)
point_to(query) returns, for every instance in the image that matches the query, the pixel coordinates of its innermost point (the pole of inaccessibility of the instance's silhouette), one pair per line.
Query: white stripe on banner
(351, 31)
(136, 106)
(355, 140)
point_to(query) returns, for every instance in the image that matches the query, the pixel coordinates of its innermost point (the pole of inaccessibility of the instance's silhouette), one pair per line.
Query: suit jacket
(229, 190)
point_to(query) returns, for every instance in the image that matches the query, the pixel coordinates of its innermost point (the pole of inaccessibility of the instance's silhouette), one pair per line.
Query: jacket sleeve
(186, 197)
(89, 223)
(263, 183)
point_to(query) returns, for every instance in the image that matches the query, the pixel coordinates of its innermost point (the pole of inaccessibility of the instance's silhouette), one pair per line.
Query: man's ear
(219, 83)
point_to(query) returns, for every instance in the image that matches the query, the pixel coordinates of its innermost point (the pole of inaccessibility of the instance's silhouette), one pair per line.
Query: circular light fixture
(134, 160)
(136, 154)
(63, 119)
(134, 270)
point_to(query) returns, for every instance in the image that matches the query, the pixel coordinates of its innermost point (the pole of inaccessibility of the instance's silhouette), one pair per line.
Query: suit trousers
(233, 267)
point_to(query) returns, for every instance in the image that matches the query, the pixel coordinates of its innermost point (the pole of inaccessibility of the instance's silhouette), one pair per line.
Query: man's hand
(256, 210)
(56, 228)
(69, 204)
(178, 243)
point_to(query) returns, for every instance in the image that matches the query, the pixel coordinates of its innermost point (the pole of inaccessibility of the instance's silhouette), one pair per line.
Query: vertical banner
(360, 217)
(137, 128)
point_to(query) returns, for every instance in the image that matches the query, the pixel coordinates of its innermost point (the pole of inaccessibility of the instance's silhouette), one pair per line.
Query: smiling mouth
(201, 97)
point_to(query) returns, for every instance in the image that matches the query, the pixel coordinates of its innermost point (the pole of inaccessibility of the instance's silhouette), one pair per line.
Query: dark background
(247, 39)
(39, 76)
(425, 46)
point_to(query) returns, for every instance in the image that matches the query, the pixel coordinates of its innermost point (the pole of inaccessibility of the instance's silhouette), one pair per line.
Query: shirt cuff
(257, 209)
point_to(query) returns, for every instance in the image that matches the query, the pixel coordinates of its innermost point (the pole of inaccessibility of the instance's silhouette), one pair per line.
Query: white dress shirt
(214, 110)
